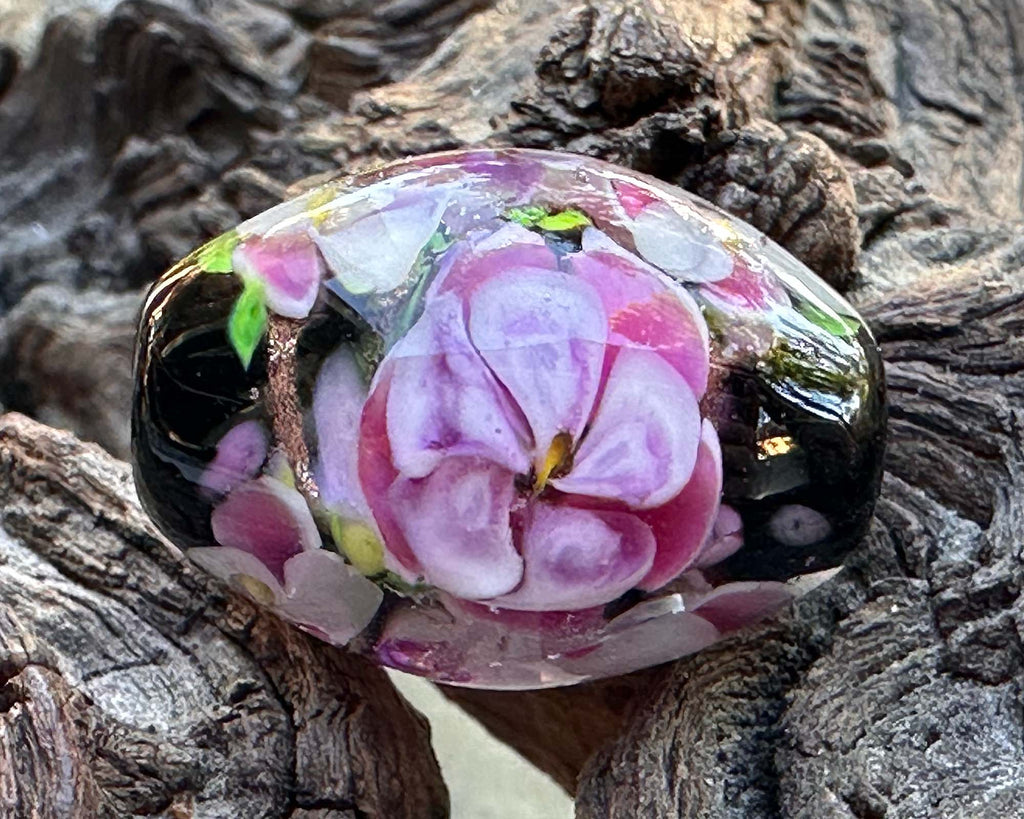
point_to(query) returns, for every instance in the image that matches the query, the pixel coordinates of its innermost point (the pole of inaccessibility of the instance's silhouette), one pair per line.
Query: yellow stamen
(556, 460)
(256, 589)
(359, 544)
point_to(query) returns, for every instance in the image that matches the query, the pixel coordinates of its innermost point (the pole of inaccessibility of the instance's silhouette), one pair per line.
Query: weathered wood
(879, 140)
(64, 356)
(130, 686)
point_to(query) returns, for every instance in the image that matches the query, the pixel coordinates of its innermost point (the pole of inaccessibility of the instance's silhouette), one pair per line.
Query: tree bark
(131, 686)
(881, 141)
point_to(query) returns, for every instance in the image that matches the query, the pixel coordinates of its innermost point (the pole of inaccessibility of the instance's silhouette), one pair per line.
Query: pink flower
(270, 549)
(467, 643)
(288, 267)
(664, 628)
(535, 440)
(240, 454)
(675, 241)
(688, 250)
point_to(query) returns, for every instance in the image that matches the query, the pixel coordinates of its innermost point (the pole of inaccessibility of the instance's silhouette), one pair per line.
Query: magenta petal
(288, 265)
(326, 595)
(578, 558)
(543, 335)
(511, 248)
(633, 198)
(445, 402)
(645, 308)
(476, 643)
(456, 522)
(726, 538)
(746, 288)
(267, 519)
(377, 473)
(338, 399)
(642, 445)
(634, 642)
(736, 605)
(508, 176)
(240, 454)
(426, 642)
(683, 524)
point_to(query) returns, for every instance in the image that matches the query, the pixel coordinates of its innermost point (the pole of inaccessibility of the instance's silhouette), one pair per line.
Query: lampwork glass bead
(508, 418)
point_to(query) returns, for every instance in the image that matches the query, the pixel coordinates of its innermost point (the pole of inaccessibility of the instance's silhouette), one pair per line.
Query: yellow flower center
(256, 589)
(359, 544)
(557, 461)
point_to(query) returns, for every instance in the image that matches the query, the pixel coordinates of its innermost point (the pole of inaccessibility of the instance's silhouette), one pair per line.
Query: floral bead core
(507, 418)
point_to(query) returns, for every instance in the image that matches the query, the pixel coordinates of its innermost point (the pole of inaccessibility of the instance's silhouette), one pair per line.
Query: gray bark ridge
(131, 686)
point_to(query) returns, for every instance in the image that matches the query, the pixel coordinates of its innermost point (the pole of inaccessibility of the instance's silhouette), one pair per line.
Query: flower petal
(726, 538)
(267, 519)
(288, 266)
(456, 522)
(240, 569)
(642, 445)
(326, 595)
(639, 642)
(240, 454)
(746, 288)
(633, 198)
(338, 399)
(374, 253)
(475, 643)
(428, 643)
(645, 308)
(682, 247)
(683, 524)
(736, 605)
(577, 558)
(377, 473)
(445, 402)
(509, 174)
(486, 253)
(543, 335)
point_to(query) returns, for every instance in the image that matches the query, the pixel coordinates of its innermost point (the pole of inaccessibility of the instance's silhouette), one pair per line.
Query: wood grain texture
(131, 686)
(881, 141)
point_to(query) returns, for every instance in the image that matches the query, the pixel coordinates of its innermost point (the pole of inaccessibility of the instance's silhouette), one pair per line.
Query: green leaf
(437, 243)
(215, 256)
(248, 321)
(833, 323)
(535, 217)
(423, 274)
(566, 220)
(393, 581)
(528, 216)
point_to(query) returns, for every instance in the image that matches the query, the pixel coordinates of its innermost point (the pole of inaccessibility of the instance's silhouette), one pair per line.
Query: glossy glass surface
(507, 418)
